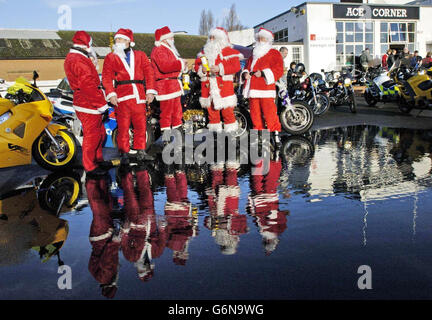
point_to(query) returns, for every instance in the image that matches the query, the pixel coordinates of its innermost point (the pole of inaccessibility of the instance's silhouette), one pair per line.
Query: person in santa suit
(217, 89)
(168, 67)
(88, 101)
(263, 204)
(262, 71)
(104, 259)
(225, 222)
(142, 239)
(181, 224)
(129, 84)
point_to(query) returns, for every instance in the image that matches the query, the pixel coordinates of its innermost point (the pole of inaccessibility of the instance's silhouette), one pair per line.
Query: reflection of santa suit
(142, 240)
(104, 262)
(178, 213)
(262, 91)
(223, 201)
(217, 90)
(264, 205)
(89, 103)
(167, 66)
(131, 96)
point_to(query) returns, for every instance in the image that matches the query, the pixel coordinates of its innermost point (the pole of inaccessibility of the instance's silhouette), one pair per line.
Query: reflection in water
(224, 220)
(143, 217)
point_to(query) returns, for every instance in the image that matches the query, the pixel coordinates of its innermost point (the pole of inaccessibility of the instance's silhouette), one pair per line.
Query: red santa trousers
(215, 115)
(129, 112)
(171, 113)
(264, 110)
(93, 139)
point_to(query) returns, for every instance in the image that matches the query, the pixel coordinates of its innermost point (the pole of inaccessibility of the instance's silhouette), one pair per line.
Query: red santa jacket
(84, 81)
(219, 88)
(104, 261)
(117, 69)
(272, 68)
(167, 67)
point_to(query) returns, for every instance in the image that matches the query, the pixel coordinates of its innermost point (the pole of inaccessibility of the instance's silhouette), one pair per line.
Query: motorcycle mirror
(35, 75)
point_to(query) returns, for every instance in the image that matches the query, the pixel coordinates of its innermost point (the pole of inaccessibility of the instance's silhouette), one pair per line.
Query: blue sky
(140, 16)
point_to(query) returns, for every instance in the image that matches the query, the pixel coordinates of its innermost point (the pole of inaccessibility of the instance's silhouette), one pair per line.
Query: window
(296, 54)
(281, 36)
(25, 43)
(351, 39)
(397, 33)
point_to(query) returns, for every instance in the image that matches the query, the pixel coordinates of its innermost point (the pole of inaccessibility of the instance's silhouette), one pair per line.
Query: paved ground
(384, 115)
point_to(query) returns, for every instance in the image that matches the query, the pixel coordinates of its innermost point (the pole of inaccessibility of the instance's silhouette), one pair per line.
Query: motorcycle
(308, 91)
(381, 89)
(343, 92)
(415, 89)
(26, 129)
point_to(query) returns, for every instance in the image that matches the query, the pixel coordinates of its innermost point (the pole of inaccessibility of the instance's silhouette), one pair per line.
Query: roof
(46, 44)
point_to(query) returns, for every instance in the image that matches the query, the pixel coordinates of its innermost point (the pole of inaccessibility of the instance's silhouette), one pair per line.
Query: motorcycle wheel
(370, 100)
(353, 103)
(49, 157)
(323, 104)
(59, 190)
(297, 150)
(150, 138)
(404, 106)
(244, 122)
(299, 120)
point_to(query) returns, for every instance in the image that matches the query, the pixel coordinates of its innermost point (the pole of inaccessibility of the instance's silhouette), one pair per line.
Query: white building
(333, 34)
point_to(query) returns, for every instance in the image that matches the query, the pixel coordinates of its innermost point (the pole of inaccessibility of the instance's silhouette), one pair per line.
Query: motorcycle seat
(388, 84)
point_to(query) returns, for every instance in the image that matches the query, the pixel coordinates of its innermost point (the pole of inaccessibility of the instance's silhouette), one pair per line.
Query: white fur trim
(217, 167)
(87, 110)
(228, 77)
(269, 76)
(219, 102)
(265, 34)
(169, 96)
(104, 236)
(102, 109)
(205, 102)
(112, 94)
(262, 93)
(240, 56)
(78, 52)
(166, 36)
(233, 165)
(219, 34)
(157, 43)
(131, 96)
(215, 127)
(152, 91)
(221, 69)
(231, 127)
(122, 36)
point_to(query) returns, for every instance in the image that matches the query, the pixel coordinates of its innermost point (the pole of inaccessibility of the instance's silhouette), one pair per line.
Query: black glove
(105, 116)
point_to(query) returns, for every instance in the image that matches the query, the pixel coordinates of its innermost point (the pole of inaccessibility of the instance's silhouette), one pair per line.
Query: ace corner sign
(365, 11)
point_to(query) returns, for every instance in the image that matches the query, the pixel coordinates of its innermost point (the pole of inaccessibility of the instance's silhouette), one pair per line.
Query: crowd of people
(410, 60)
(131, 81)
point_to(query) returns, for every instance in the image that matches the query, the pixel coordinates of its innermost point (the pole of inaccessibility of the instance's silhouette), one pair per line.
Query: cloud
(82, 3)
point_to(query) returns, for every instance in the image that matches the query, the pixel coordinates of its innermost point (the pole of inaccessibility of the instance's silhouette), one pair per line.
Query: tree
(206, 22)
(231, 22)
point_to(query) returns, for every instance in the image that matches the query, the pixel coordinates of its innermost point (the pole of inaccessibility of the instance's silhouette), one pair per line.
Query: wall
(424, 30)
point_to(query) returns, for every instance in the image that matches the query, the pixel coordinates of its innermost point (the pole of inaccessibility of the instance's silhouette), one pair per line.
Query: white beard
(119, 50)
(173, 47)
(261, 49)
(212, 49)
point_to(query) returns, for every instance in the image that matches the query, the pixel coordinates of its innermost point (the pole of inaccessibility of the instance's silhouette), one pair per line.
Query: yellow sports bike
(26, 130)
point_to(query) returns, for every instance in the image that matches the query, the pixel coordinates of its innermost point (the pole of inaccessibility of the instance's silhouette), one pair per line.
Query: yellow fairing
(18, 133)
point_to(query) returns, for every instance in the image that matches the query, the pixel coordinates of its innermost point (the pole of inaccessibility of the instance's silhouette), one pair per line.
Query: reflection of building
(334, 33)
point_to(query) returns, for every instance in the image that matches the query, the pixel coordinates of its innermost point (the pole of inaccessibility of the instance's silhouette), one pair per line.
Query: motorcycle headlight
(347, 81)
(315, 83)
(5, 116)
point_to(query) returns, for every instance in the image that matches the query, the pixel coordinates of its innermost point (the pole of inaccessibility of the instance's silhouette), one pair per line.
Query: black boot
(276, 140)
(124, 159)
(144, 156)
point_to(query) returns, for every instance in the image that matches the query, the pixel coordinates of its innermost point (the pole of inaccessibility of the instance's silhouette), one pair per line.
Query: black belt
(117, 83)
(173, 78)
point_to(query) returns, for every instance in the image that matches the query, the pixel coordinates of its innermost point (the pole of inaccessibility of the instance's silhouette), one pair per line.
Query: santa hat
(262, 32)
(125, 34)
(220, 34)
(82, 39)
(162, 34)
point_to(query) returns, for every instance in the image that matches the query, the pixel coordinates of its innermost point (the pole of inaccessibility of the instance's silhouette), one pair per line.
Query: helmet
(300, 68)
